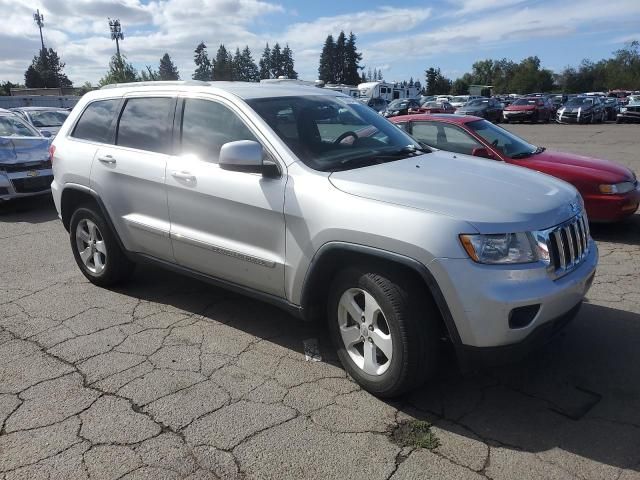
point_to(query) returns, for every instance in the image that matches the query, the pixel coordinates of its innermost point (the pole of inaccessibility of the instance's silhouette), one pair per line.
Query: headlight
(623, 187)
(529, 112)
(507, 248)
(623, 109)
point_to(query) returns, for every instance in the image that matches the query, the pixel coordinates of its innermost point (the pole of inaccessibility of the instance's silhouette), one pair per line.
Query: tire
(407, 324)
(106, 264)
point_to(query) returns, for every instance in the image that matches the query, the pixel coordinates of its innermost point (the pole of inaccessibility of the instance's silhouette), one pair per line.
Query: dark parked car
(378, 104)
(48, 119)
(582, 109)
(488, 108)
(611, 107)
(25, 165)
(530, 109)
(629, 113)
(610, 191)
(402, 107)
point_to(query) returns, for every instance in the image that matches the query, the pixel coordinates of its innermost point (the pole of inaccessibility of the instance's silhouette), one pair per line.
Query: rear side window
(145, 124)
(95, 121)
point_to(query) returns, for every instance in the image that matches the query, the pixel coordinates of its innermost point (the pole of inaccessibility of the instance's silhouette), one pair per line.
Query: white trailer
(387, 91)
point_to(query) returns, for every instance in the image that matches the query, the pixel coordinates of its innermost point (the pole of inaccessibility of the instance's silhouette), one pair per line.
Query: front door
(229, 225)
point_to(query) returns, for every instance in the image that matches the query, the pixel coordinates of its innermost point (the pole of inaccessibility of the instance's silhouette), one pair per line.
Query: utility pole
(39, 19)
(116, 33)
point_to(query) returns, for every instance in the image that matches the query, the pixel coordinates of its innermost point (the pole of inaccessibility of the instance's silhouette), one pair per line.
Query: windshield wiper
(383, 156)
(539, 150)
(523, 154)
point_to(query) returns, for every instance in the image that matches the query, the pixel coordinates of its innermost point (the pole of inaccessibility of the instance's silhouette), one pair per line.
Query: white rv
(386, 91)
(350, 90)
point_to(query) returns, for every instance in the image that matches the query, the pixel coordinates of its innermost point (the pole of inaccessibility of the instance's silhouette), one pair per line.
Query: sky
(402, 38)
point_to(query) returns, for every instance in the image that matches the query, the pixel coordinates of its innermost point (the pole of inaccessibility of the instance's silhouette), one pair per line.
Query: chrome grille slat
(568, 245)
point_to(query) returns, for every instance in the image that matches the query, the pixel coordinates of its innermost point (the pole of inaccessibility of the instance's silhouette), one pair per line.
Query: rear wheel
(96, 250)
(384, 329)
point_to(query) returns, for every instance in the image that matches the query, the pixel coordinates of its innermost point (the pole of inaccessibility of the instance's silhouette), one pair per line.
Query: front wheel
(96, 249)
(385, 330)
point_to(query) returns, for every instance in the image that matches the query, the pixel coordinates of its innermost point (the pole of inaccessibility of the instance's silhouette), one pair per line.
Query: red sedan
(436, 107)
(610, 191)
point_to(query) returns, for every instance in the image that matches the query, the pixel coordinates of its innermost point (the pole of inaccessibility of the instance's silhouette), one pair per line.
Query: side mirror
(246, 156)
(46, 133)
(481, 152)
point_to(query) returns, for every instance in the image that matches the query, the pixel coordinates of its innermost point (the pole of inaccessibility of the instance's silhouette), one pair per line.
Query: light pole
(39, 19)
(116, 33)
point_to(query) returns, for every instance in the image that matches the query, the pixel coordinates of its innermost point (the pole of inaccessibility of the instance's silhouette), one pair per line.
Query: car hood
(519, 108)
(492, 196)
(473, 109)
(23, 149)
(574, 109)
(594, 168)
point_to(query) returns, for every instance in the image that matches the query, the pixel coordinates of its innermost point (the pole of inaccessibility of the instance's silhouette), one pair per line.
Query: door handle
(186, 176)
(108, 159)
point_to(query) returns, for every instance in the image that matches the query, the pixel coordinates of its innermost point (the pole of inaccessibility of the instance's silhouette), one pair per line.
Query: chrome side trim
(223, 251)
(147, 228)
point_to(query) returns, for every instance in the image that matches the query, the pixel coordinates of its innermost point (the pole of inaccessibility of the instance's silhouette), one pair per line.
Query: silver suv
(307, 199)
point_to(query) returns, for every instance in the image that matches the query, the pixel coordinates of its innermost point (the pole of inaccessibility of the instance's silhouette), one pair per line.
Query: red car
(528, 109)
(437, 107)
(610, 191)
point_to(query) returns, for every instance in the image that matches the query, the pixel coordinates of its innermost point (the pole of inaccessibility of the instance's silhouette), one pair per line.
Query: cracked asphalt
(170, 378)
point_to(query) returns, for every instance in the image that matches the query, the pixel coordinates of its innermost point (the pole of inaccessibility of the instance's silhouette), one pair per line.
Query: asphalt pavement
(169, 378)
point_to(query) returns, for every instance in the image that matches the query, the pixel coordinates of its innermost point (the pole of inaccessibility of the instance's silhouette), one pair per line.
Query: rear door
(129, 176)
(226, 224)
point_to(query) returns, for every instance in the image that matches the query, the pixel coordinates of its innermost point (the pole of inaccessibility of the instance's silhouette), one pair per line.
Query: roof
(442, 117)
(244, 90)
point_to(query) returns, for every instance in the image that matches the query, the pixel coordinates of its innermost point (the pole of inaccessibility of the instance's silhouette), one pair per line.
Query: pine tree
(265, 63)
(340, 58)
(120, 71)
(46, 71)
(276, 70)
(352, 61)
(250, 72)
(150, 75)
(370, 76)
(326, 69)
(167, 70)
(380, 74)
(287, 63)
(236, 66)
(203, 64)
(223, 65)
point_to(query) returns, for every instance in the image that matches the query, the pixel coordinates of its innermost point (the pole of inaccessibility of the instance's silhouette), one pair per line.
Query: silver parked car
(45, 119)
(307, 199)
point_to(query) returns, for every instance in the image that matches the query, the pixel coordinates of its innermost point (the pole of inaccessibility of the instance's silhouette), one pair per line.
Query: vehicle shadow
(625, 232)
(575, 400)
(38, 209)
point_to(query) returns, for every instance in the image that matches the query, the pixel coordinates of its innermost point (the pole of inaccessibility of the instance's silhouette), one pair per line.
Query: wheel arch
(333, 256)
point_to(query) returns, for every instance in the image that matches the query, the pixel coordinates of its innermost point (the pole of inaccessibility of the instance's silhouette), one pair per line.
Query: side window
(95, 121)
(207, 125)
(426, 132)
(456, 140)
(145, 124)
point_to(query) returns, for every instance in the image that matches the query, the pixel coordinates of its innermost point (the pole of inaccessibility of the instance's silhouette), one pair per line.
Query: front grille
(32, 185)
(25, 167)
(568, 245)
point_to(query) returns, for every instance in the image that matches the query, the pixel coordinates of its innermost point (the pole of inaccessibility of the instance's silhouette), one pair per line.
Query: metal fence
(39, 101)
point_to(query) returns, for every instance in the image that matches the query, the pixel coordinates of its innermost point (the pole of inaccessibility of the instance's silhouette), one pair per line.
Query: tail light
(52, 151)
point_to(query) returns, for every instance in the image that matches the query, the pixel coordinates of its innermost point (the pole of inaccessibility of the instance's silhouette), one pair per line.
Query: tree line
(340, 61)
(622, 70)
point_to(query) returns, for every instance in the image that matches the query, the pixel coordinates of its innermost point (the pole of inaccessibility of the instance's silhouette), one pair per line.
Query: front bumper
(25, 183)
(629, 117)
(573, 117)
(521, 115)
(612, 208)
(482, 298)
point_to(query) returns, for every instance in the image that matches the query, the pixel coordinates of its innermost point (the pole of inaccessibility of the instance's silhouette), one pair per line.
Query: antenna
(116, 33)
(39, 19)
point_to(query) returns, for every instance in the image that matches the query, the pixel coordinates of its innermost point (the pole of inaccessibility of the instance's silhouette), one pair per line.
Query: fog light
(523, 316)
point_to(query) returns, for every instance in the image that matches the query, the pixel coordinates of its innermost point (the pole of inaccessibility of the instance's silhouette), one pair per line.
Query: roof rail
(155, 83)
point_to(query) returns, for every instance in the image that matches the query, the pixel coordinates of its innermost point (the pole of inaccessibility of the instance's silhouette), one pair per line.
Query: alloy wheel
(365, 331)
(91, 246)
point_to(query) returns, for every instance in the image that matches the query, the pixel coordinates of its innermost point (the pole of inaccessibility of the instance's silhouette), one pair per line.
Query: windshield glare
(11, 126)
(330, 133)
(477, 103)
(525, 101)
(398, 104)
(577, 102)
(48, 118)
(503, 140)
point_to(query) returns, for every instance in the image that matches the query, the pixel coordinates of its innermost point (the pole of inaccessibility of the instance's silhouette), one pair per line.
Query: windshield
(459, 99)
(11, 126)
(432, 104)
(577, 102)
(503, 140)
(477, 103)
(525, 101)
(48, 118)
(334, 133)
